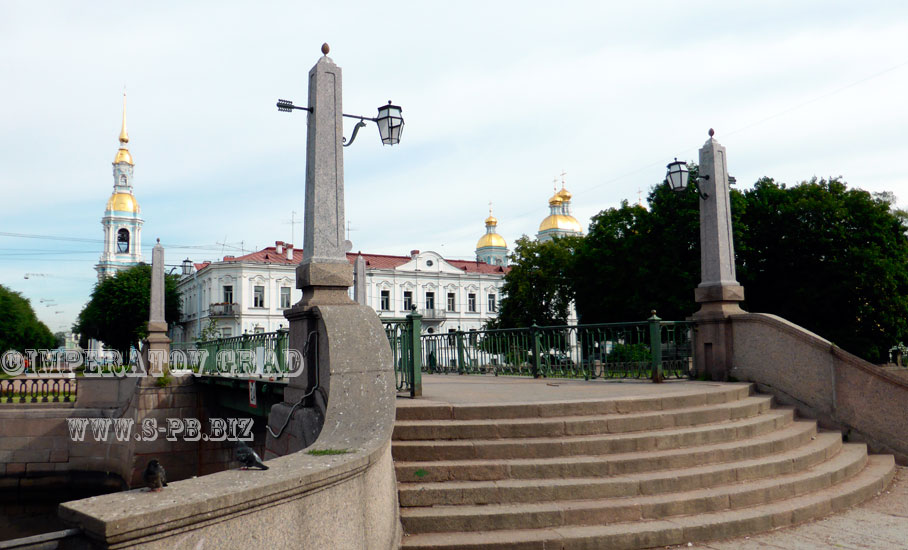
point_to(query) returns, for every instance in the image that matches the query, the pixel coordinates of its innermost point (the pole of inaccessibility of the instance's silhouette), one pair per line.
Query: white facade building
(249, 294)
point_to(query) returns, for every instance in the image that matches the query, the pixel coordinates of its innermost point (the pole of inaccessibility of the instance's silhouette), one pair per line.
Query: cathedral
(122, 222)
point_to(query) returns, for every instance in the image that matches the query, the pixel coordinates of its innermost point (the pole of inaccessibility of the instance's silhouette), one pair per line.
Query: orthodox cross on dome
(555, 184)
(490, 208)
(563, 173)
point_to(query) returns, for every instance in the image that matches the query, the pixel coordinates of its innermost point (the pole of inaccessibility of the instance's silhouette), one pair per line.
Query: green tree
(20, 328)
(826, 257)
(117, 312)
(830, 259)
(538, 288)
(635, 259)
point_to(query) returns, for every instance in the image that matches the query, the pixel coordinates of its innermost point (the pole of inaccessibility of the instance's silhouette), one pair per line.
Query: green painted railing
(649, 349)
(257, 353)
(406, 351)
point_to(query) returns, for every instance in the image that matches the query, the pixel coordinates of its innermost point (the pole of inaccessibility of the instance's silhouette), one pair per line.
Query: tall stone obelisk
(346, 351)
(719, 293)
(156, 351)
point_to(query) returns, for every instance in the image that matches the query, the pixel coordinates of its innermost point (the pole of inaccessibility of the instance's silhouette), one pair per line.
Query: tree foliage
(20, 328)
(538, 288)
(117, 312)
(829, 258)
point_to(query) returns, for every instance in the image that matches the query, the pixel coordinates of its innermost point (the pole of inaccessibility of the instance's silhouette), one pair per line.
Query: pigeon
(154, 476)
(247, 457)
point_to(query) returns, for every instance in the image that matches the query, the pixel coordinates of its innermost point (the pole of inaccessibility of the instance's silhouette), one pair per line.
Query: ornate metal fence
(38, 390)
(258, 353)
(406, 351)
(615, 350)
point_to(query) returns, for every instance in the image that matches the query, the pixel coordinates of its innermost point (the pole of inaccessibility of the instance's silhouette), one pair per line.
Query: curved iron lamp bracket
(356, 128)
(703, 195)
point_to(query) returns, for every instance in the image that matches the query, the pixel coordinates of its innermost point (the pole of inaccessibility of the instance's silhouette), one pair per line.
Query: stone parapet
(823, 381)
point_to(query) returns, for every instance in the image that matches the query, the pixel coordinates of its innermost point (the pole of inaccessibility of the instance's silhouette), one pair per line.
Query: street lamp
(389, 120)
(678, 175)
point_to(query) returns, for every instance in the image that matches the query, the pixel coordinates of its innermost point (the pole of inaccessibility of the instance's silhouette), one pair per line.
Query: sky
(499, 99)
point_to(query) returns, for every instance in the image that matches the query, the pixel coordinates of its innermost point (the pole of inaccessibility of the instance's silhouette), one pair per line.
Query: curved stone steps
(601, 465)
(542, 515)
(573, 425)
(676, 530)
(805, 449)
(724, 393)
(549, 447)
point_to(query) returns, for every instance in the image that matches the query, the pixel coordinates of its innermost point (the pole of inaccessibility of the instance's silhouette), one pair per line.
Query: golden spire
(123, 137)
(123, 153)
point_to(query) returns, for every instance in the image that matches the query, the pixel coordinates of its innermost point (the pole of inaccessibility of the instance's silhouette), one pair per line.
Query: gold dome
(123, 156)
(565, 194)
(491, 239)
(562, 222)
(123, 202)
(491, 220)
(556, 200)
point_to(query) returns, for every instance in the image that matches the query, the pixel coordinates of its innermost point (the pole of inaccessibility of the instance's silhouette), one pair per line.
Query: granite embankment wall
(824, 382)
(38, 452)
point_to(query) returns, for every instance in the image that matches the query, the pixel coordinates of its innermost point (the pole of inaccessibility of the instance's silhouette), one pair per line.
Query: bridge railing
(406, 352)
(646, 349)
(262, 353)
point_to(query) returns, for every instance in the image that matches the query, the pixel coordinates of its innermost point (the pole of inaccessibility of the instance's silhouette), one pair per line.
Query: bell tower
(122, 222)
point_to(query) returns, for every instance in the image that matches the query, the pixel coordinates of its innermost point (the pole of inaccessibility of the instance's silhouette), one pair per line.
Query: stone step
(557, 426)
(425, 410)
(806, 450)
(697, 527)
(746, 446)
(547, 447)
(544, 515)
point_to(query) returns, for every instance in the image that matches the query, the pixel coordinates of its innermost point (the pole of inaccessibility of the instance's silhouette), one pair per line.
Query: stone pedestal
(719, 293)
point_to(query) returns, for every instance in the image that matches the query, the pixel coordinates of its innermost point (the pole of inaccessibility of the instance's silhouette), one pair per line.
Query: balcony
(223, 310)
(432, 314)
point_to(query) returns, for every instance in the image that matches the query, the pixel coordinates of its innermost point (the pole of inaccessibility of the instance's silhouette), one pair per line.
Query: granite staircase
(619, 473)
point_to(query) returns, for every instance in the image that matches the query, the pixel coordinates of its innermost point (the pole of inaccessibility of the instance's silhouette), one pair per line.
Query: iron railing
(406, 351)
(38, 390)
(257, 353)
(648, 349)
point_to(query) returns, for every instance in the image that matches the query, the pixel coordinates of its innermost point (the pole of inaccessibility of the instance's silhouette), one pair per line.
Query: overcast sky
(499, 99)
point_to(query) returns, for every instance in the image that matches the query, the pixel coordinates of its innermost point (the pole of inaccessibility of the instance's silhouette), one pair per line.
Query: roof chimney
(289, 251)
(279, 245)
(413, 254)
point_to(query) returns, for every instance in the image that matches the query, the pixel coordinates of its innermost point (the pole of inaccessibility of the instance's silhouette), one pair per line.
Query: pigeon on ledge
(154, 476)
(247, 457)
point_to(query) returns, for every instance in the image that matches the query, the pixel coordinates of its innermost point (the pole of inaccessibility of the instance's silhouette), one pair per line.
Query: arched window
(122, 179)
(122, 241)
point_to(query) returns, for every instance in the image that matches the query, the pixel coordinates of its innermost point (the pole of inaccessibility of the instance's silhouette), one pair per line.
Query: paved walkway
(879, 524)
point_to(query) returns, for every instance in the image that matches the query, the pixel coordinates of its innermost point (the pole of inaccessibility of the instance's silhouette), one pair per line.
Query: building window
(228, 294)
(471, 302)
(226, 332)
(385, 300)
(451, 333)
(258, 296)
(430, 300)
(408, 300)
(122, 241)
(492, 305)
(258, 330)
(451, 302)
(285, 297)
